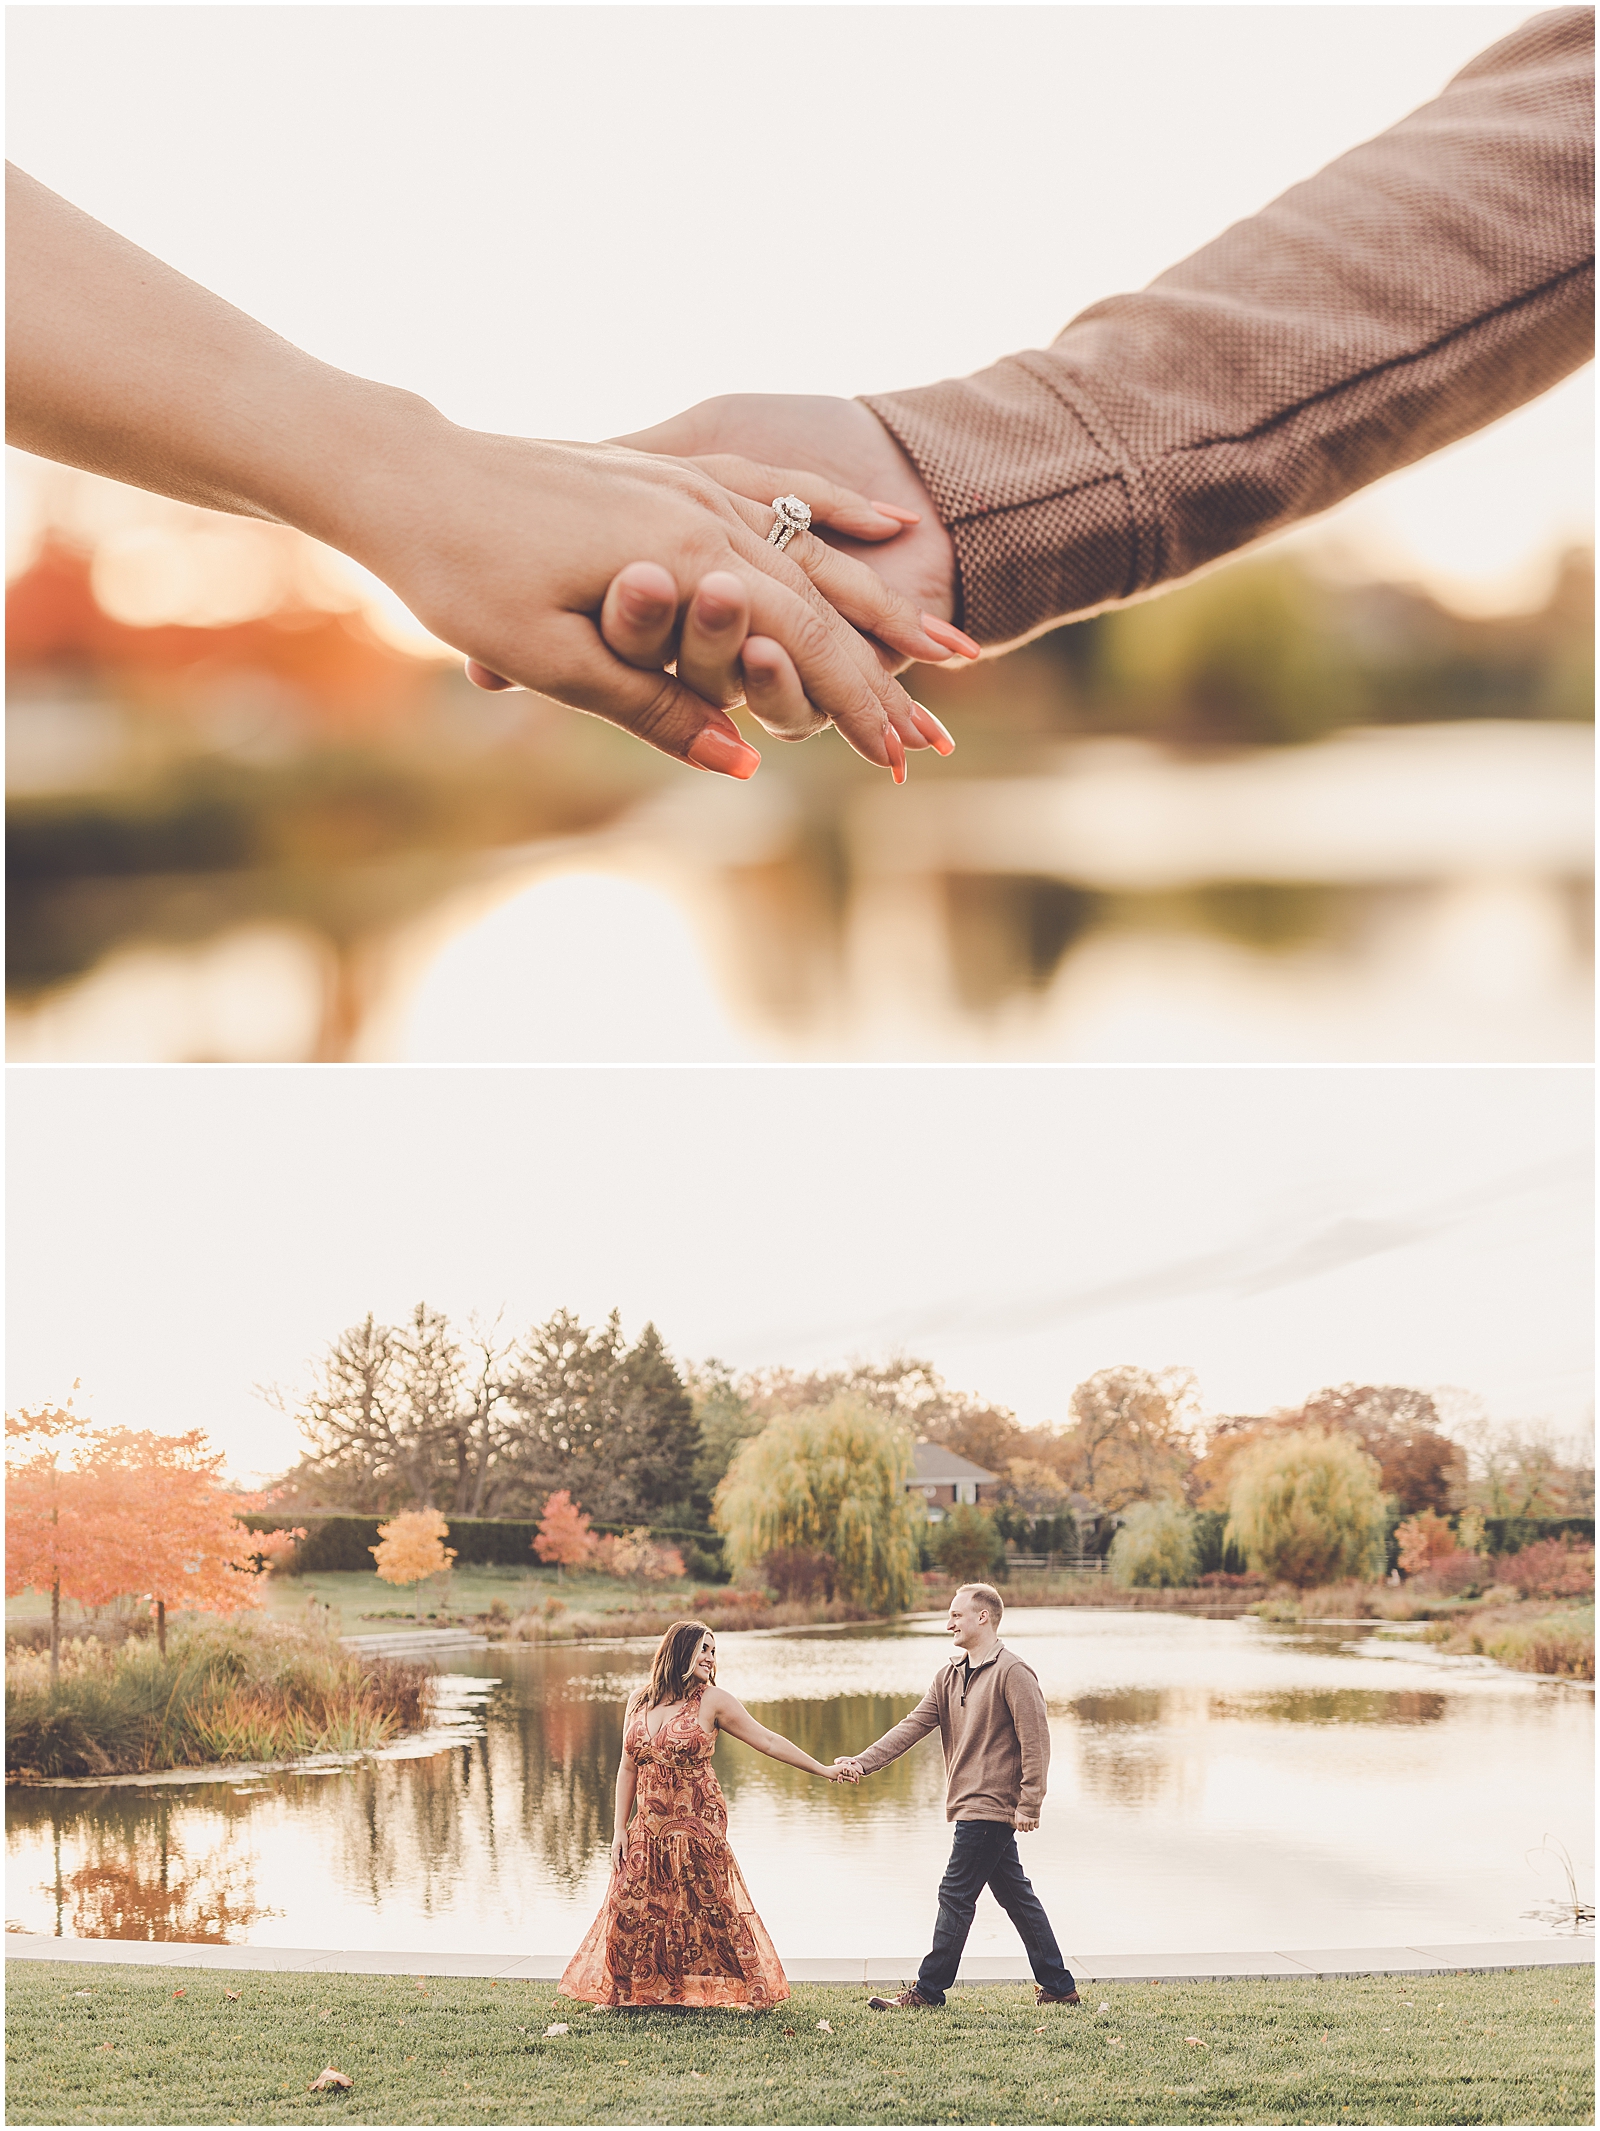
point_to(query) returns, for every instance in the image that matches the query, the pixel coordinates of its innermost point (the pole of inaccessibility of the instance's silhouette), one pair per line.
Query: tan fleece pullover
(995, 1733)
(1412, 291)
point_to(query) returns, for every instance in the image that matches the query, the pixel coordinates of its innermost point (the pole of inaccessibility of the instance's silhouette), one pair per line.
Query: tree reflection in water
(148, 1869)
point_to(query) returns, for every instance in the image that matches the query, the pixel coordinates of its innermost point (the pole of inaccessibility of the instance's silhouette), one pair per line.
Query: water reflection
(1421, 893)
(144, 1869)
(1214, 1783)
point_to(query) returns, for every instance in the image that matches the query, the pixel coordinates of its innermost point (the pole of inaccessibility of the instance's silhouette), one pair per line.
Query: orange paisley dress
(677, 1926)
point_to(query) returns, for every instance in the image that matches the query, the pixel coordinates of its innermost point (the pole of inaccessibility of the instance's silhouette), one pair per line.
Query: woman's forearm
(777, 1748)
(627, 1784)
(119, 364)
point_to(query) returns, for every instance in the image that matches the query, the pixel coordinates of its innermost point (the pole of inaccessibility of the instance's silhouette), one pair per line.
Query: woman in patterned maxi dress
(678, 1926)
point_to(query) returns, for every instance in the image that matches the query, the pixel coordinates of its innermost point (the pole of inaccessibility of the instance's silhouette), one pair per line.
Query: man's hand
(1023, 1825)
(846, 443)
(848, 1767)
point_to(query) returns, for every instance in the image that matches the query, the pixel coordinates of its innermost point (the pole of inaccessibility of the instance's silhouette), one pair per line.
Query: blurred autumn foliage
(333, 667)
(297, 769)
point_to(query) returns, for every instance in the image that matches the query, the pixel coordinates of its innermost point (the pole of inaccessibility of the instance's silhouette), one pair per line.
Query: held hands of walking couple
(847, 1768)
(585, 571)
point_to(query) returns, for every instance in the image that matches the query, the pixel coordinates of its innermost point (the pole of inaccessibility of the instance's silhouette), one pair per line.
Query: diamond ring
(793, 517)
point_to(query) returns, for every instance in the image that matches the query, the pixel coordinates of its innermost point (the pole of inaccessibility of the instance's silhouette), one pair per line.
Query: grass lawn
(364, 1603)
(119, 2046)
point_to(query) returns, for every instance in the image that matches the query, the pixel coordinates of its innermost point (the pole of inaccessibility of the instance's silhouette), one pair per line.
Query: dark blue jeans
(984, 1854)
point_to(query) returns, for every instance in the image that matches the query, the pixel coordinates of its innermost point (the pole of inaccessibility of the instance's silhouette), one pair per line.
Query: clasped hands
(847, 1769)
(711, 615)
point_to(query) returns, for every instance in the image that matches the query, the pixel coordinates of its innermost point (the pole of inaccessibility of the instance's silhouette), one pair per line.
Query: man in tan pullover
(990, 1715)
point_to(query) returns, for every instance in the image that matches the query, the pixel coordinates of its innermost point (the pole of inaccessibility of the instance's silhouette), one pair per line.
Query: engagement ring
(793, 517)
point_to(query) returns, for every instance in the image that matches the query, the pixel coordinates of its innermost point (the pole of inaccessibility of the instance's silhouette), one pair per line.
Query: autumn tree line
(803, 1473)
(479, 1423)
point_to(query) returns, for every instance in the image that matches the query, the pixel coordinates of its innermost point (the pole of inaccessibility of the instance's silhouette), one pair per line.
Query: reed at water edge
(240, 1690)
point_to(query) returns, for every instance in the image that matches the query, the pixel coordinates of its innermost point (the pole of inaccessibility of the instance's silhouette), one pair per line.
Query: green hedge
(1509, 1535)
(335, 1540)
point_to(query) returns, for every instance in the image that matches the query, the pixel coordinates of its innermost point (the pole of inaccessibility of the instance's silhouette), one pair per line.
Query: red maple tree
(564, 1535)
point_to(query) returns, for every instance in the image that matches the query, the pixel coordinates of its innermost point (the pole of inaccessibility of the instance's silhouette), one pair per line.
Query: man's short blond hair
(986, 1595)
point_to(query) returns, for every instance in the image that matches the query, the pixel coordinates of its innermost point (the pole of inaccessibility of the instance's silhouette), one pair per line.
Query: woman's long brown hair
(669, 1671)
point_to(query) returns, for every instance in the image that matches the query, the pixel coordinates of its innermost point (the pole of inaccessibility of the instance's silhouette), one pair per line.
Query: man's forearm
(1414, 290)
(117, 363)
(923, 1719)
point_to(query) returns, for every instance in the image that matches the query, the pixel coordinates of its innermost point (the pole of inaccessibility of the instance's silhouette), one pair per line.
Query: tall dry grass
(224, 1691)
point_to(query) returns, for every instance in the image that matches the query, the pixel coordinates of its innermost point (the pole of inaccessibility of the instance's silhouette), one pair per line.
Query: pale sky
(179, 1236)
(573, 221)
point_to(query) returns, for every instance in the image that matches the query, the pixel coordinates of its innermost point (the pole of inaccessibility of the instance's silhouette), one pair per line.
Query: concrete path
(897, 1969)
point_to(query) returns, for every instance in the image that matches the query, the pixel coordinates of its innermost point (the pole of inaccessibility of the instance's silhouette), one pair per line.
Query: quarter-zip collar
(967, 1671)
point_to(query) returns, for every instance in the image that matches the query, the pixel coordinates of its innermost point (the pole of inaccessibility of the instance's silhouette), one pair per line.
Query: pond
(1216, 1785)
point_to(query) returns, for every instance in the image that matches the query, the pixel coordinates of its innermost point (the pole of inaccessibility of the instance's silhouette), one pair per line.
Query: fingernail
(948, 633)
(928, 725)
(713, 611)
(481, 677)
(900, 517)
(640, 607)
(713, 750)
(897, 753)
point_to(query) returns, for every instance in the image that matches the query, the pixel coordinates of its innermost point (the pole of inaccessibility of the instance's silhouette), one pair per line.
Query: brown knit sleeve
(1025, 1699)
(923, 1719)
(1412, 291)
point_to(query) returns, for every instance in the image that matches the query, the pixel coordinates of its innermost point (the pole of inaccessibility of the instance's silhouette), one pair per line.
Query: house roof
(934, 1466)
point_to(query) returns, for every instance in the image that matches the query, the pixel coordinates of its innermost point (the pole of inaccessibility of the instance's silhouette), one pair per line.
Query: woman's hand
(619, 1849)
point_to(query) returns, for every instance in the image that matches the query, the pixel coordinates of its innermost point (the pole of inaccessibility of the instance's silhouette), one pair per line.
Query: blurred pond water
(1411, 894)
(1216, 1784)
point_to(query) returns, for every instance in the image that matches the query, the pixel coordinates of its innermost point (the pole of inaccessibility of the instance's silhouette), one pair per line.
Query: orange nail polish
(948, 633)
(935, 733)
(719, 752)
(897, 754)
(893, 510)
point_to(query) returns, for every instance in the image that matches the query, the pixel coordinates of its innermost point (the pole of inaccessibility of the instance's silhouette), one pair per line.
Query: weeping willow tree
(1306, 1508)
(830, 1479)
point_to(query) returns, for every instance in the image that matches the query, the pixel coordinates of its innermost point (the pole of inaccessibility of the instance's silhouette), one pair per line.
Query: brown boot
(1041, 1996)
(907, 2001)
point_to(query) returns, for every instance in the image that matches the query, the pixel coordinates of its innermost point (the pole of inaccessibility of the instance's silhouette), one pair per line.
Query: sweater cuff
(1033, 490)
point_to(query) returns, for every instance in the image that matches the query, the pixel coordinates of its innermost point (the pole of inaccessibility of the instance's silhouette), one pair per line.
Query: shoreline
(418, 1746)
(1313, 1964)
